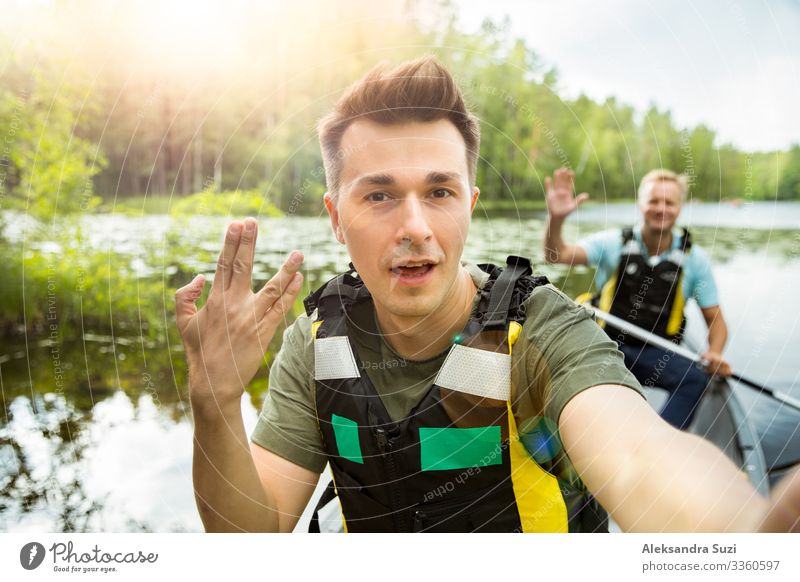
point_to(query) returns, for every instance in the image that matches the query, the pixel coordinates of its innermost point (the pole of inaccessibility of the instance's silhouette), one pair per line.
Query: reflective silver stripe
(477, 372)
(632, 247)
(677, 256)
(334, 359)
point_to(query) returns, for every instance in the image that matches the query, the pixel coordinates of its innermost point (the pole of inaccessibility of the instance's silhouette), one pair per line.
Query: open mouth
(413, 271)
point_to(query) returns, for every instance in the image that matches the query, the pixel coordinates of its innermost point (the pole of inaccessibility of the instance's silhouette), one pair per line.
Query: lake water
(100, 455)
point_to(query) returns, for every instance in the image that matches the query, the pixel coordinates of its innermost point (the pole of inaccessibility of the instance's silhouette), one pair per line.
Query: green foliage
(66, 284)
(138, 205)
(51, 167)
(236, 203)
(124, 131)
(790, 175)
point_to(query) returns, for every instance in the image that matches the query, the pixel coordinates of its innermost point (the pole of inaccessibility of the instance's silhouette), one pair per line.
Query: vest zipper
(385, 445)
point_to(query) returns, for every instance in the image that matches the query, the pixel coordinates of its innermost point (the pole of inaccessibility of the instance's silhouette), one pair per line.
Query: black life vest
(457, 462)
(649, 296)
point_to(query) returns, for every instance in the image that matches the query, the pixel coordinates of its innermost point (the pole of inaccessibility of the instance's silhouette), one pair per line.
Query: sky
(733, 65)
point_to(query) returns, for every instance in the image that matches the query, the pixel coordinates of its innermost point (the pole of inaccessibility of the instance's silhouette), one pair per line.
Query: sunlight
(192, 35)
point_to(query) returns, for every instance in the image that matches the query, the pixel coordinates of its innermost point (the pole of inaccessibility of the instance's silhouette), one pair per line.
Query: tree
(51, 166)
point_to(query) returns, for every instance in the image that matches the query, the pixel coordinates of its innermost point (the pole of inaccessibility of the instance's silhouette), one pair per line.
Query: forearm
(553, 242)
(228, 491)
(686, 484)
(717, 335)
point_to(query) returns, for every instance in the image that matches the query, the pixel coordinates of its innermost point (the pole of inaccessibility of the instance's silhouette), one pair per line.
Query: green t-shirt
(560, 352)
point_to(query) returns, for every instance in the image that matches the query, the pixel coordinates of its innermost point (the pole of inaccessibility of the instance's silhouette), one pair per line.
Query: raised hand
(560, 200)
(227, 338)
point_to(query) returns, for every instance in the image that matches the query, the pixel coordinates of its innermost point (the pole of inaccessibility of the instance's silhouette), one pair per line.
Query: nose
(414, 223)
(660, 206)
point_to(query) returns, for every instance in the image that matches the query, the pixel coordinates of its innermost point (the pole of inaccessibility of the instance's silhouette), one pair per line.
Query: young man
(505, 398)
(645, 275)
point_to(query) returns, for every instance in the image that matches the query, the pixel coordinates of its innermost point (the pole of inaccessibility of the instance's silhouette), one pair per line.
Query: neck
(422, 337)
(656, 241)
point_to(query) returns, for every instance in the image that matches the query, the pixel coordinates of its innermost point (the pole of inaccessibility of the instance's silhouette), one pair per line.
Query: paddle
(662, 343)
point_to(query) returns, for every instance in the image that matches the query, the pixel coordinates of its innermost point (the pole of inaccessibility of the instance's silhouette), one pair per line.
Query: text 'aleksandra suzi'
(692, 549)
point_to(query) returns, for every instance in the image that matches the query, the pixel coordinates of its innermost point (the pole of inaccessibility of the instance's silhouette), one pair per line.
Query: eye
(377, 197)
(441, 193)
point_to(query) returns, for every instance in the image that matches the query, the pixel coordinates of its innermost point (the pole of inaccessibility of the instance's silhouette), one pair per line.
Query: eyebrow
(388, 180)
(442, 177)
(375, 180)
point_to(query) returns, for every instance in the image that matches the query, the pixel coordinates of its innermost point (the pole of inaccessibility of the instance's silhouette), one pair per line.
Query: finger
(275, 287)
(548, 184)
(581, 198)
(562, 178)
(186, 300)
(285, 302)
(225, 261)
(242, 265)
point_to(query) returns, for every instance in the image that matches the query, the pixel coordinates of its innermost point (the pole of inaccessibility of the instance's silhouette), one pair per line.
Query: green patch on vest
(459, 448)
(346, 433)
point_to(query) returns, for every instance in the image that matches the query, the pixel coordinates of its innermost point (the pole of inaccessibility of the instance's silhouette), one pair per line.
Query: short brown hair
(420, 90)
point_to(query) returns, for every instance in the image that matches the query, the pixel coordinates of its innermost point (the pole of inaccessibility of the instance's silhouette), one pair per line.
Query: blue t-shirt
(604, 249)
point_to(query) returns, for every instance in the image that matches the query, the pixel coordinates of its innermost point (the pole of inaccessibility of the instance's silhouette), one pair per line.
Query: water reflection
(122, 467)
(108, 448)
(41, 477)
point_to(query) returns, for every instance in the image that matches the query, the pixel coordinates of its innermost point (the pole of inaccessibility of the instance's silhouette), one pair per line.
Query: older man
(645, 275)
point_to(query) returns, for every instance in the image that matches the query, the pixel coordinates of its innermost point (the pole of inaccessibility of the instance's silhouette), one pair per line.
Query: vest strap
(686, 241)
(627, 235)
(500, 297)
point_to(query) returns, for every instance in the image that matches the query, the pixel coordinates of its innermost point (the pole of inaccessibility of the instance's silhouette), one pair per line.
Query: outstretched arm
(651, 477)
(560, 204)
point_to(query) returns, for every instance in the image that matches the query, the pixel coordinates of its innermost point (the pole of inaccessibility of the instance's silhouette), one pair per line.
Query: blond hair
(653, 177)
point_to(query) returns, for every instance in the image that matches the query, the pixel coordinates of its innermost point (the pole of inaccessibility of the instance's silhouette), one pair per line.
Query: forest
(126, 109)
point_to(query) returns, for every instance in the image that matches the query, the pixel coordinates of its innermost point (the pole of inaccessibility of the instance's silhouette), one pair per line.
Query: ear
(333, 212)
(475, 193)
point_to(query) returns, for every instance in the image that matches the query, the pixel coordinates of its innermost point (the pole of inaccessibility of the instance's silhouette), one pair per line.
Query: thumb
(548, 184)
(186, 300)
(581, 198)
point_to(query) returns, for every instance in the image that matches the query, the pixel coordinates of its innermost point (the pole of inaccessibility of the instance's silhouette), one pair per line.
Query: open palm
(560, 199)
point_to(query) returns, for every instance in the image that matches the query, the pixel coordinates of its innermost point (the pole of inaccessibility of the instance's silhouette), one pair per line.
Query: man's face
(662, 207)
(403, 211)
